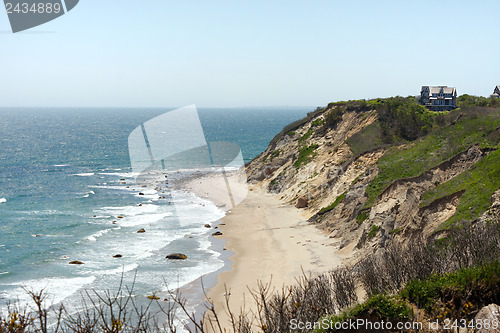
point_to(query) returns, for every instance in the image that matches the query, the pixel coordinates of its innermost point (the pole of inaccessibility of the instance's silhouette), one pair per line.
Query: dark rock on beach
(217, 233)
(76, 262)
(208, 225)
(301, 202)
(141, 231)
(177, 256)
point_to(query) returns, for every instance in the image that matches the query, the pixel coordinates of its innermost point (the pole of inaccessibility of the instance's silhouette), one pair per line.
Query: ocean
(67, 192)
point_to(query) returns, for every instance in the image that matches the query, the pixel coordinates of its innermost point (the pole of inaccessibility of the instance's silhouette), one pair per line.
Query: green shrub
(333, 205)
(333, 117)
(306, 136)
(480, 282)
(373, 231)
(361, 217)
(317, 122)
(367, 139)
(378, 307)
(395, 231)
(305, 155)
(403, 119)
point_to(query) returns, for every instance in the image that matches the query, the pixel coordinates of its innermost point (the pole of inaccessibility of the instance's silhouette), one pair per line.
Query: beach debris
(153, 297)
(141, 231)
(117, 256)
(208, 225)
(76, 262)
(217, 233)
(177, 256)
(301, 202)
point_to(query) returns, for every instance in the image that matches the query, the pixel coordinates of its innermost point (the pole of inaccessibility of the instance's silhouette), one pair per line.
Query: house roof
(446, 90)
(437, 89)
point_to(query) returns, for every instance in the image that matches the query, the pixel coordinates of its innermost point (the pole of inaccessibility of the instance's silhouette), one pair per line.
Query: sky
(162, 53)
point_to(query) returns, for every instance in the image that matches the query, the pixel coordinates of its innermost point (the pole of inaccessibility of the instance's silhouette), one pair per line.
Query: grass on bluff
(435, 148)
(367, 139)
(479, 183)
(306, 136)
(305, 155)
(333, 205)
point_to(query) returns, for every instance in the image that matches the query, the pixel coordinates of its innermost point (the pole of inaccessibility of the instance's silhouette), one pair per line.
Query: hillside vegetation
(384, 175)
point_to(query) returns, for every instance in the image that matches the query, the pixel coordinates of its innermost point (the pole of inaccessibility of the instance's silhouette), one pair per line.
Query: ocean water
(65, 178)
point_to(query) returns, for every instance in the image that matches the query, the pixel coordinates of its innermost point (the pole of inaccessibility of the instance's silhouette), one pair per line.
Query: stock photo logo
(26, 14)
(170, 155)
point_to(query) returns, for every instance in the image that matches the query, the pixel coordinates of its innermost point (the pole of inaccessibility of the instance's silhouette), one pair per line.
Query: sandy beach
(270, 241)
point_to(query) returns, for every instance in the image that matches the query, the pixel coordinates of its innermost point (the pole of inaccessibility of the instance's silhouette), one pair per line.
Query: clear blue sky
(159, 53)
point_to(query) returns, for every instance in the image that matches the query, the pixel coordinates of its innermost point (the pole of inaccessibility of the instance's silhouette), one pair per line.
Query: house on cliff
(440, 98)
(496, 92)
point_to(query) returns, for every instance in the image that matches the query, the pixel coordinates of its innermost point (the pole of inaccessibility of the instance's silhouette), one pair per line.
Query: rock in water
(217, 233)
(117, 256)
(141, 231)
(207, 225)
(178, 256)
(76, 262)
(301, 202)
(153, 297)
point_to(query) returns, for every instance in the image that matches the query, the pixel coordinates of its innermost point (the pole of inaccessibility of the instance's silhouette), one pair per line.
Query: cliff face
(367, 193)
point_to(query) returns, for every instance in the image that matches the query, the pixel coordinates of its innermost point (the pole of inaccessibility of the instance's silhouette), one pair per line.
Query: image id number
(36, 8)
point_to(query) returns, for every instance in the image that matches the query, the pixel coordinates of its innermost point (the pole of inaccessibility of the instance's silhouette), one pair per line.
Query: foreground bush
(452, 276)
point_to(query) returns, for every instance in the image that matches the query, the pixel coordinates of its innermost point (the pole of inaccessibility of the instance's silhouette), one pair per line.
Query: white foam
(87, 174)
(57, 289)
(121, 174)
(98, 234)
(120, 270)
(61, 165)
(3, 200)
(109, 187)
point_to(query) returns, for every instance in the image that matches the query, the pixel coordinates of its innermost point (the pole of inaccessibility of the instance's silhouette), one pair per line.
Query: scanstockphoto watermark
(26, 14)
(414, 326)
(171, 151)
(355, 325)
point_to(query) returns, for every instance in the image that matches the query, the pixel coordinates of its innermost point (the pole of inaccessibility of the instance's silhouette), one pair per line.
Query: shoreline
(269, 242)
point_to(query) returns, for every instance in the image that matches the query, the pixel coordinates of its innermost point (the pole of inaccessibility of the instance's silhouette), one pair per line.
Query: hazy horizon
(227, 54)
